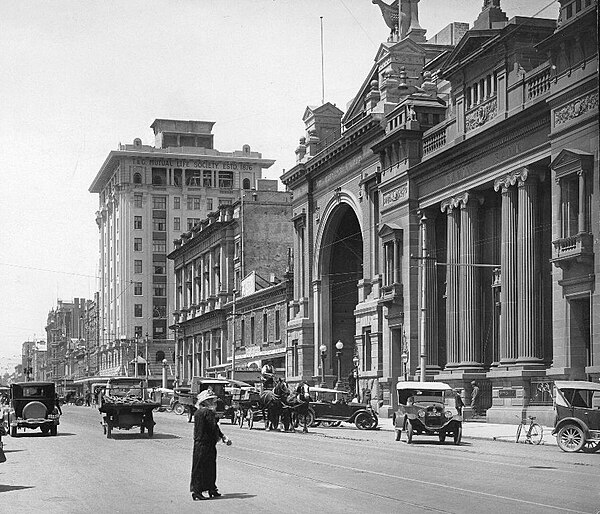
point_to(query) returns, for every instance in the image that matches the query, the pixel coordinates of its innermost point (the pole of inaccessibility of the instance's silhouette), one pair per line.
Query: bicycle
(535, 432)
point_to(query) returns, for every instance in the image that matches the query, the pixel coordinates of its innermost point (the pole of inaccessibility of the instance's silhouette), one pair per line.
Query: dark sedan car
(33, 405)
(331, 407)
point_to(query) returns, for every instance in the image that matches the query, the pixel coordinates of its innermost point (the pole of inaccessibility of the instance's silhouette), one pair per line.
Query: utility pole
(423, 353)
(233, 334)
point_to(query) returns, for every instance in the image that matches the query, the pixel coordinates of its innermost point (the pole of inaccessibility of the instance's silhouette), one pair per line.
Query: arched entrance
(341, 269)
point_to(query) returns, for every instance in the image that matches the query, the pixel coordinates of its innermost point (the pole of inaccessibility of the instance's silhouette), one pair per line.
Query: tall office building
(148, 196)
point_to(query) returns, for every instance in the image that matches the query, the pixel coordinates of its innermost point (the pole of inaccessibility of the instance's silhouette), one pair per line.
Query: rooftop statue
(398, 16)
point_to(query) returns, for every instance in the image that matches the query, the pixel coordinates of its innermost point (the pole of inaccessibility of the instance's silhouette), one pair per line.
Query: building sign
(205, 164)
(507, 393)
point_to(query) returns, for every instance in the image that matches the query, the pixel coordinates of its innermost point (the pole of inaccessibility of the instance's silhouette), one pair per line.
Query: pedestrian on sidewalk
(204, 458)
(475, 398)
(458, 402)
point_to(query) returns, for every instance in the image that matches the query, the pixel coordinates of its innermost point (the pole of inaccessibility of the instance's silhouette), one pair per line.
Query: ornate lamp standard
(404, 357)
(323, 350)
(164, 373)
(339, 347)
(355, 361)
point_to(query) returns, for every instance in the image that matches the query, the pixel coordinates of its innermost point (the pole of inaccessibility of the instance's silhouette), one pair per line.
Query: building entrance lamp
(323, 350)
(355, 361)
(404, 357)
(339, 347)
(164, 373)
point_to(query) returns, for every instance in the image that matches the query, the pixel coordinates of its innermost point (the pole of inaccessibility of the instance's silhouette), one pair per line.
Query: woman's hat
(205, 395)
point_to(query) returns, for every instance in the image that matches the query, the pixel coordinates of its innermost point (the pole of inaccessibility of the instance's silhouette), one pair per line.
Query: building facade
(237, 252)
(459, 202)
(149, 195)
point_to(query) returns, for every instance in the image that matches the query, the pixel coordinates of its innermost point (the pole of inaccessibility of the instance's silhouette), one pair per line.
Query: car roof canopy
(577, 384)
(424, 386)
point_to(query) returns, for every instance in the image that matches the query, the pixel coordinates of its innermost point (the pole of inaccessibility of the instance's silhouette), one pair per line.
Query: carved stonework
(481, 115)
(511, 179)
(395, 195)
(575, 108)
(455, 202)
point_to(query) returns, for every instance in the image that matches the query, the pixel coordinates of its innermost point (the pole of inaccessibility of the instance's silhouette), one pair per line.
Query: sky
(78, 78)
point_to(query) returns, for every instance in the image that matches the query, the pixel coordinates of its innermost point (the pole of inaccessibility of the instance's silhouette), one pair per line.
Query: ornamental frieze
(395, 195)
(481, 115)
(575, 108)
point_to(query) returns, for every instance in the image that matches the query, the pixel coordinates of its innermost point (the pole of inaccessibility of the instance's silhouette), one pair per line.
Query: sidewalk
(480, 430)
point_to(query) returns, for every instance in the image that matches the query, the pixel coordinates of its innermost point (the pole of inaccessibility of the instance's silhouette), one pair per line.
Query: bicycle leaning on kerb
(534, 431)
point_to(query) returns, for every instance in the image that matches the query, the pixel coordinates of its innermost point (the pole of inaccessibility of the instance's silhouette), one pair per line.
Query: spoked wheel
(332, 424)
(591, 446)
(570, 438)
(457, 434)
(178, 409)
(536, 434)
(364, 421)
(409, 432)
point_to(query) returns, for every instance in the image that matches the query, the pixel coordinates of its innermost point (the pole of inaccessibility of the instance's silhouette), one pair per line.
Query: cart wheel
(150, 431)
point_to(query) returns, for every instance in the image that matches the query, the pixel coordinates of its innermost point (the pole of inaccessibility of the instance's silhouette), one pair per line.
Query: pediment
(356, 104)
(571, 161)
(327, 109)
(471, 42)
(406, 46)
(389, 230)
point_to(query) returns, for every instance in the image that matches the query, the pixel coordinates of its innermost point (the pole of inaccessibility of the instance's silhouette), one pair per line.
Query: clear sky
(79, 77)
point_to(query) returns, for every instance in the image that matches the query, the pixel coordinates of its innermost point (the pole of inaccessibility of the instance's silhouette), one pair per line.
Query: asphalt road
(329, 470)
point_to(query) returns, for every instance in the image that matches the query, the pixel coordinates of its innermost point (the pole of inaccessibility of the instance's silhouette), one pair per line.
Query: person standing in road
(57, 403)
(204, 459)
(475, 398)
(458, 402)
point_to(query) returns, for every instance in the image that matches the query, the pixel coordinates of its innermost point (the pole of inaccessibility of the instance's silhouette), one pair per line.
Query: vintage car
(427, 408)
(33, 405)
(199, 384)
(331, 407)
(577, 422)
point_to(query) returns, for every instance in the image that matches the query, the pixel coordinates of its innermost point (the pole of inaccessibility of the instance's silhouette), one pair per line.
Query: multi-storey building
(449, 230)
(148, 196)
(240, 250)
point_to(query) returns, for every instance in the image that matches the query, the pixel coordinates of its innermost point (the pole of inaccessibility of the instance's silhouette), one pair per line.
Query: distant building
(148, 196)
(243, 248)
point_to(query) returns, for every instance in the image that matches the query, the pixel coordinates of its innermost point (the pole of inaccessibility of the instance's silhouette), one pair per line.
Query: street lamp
(339, 346)
(323, 350)
(405, 363)
(355, 361)
(164, 373)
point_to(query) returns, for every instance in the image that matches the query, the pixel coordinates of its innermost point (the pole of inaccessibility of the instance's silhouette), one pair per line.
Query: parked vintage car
(427, 408)
(332, 407)
(577, 422)
(33, 405)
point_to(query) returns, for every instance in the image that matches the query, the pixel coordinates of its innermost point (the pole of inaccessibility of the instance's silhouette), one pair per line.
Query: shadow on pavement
(232, 496)
(6, 488)
(39, 434)
(12, 451)
(124, 437)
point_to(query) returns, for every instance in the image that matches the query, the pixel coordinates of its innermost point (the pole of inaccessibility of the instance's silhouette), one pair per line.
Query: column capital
(454, 202)
(510, 179)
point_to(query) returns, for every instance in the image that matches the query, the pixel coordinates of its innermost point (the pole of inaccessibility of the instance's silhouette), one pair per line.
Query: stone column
(431, 327)
(528, 270)
(396, 261)
(452, 291)
(508, 262)
(469, 314)
(581, 216)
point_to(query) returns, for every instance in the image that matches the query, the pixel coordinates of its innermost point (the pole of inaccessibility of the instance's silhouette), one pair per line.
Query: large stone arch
(338, 266)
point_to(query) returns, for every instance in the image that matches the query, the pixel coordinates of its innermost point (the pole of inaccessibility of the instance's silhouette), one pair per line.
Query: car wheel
(398, 434)
(13, 431)
(457, 434)
(45, 429)
(409, 432)
(570, 438)
(591, 446)
(363, 421)
(178, 409)
(54, 430)
(442, 437)
(310, 419)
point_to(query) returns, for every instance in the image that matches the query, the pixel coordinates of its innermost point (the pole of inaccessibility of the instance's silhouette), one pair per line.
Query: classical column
(508, 263)
(469, 307)
(528, 270)
(452, 291)
(581, 216)
(431, 327)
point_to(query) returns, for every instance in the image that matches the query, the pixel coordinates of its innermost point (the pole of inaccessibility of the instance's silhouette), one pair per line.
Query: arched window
(157, 180)
(246, 183)
(137, 178)
(160, 355)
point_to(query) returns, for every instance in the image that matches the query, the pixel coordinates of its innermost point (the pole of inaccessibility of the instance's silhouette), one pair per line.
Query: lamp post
(164, 373)
(323, 350)
(355, 361)
(146, 357)
(339, 347)
(405, 363)
(233, 337)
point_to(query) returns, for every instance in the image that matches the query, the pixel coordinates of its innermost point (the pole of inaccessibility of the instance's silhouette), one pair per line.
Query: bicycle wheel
(519, 428)
(535, 434)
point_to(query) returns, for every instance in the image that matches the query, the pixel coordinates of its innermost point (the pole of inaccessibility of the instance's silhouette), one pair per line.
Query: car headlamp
(421, 413)
(448, 414)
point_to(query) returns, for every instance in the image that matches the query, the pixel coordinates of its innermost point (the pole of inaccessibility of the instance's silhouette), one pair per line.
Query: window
(225, 201)
(159, 225)
(193, 203)
(194, 179)
(366, 341)
(137, 178)
(159, 246)
(159, 269)
(160, 355)
(243, 332)
(207, 178)
(246, 183)
(209, 204)
(137, 222)
(176, 223)
(137, 288)
(159, 311)
(569, 192)
(265, 327)
(226, 179)
(137, 310)
(137, 331)
(191, 222)
(137, 266)
(137, 244)
(277, 327)
(176, 202)
(159, 290)
(295, 364)
(252, 329)
(137, 199)
(159, 202)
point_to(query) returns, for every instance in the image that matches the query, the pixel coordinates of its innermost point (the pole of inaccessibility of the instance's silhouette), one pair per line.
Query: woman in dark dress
(206, 435)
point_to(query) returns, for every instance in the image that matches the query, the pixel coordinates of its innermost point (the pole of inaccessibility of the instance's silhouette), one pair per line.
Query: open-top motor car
(332, 407)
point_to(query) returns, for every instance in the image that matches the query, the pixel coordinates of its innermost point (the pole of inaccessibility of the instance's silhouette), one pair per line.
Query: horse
(299, 402)
(272, 404)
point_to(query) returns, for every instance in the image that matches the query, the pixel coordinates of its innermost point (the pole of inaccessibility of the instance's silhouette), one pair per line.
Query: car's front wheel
(178, 409)
(458, 434)
(364, 421)
(570, 438)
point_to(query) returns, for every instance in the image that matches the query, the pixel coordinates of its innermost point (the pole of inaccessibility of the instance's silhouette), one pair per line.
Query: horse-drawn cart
(125, 405)
(247, 407)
